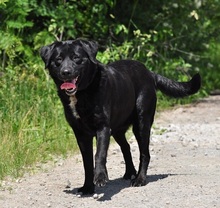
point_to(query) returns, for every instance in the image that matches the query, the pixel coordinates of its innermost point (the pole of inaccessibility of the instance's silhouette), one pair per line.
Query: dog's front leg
(100, 172)
(86, 147)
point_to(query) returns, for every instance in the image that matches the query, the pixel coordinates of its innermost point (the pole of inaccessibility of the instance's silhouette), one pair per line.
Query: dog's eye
(59, 60)
(77, 59)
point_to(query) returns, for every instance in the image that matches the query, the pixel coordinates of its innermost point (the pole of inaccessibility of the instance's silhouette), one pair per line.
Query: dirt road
(184, 169)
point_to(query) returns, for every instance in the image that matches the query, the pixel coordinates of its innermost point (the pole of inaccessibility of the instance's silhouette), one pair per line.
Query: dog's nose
(66, 72)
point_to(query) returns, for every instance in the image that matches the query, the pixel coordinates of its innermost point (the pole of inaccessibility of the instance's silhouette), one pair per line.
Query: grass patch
(33, 127)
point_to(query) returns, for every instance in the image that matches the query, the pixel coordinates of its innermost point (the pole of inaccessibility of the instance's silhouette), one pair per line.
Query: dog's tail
(177, 89)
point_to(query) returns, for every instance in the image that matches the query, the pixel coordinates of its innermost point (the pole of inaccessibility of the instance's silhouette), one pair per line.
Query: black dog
(103, 100)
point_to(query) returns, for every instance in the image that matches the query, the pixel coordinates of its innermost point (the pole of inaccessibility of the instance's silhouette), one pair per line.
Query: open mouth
(70, 87)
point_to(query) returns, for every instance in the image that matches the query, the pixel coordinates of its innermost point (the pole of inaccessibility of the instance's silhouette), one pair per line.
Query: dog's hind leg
(145, 109)
(130, 171)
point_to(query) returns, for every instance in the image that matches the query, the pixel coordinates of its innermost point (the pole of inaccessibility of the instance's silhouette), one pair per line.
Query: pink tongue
(67, 85)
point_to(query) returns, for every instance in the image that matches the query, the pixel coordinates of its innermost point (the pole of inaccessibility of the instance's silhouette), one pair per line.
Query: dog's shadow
(115, 186)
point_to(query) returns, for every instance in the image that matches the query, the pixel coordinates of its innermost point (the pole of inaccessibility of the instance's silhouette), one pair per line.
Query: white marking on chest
(72, 105)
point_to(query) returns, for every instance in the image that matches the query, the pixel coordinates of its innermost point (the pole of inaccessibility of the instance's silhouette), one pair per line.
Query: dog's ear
(46, 53)
(91, 48)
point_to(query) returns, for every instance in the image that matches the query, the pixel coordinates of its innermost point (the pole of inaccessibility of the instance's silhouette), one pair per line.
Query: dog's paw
(129, 175)
(139, 181)
(101, 178)
(86, 190)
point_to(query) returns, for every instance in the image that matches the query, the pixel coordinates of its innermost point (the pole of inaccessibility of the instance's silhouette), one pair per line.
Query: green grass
(32, 125)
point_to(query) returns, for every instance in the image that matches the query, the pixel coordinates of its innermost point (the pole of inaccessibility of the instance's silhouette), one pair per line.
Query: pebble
(18, 180)
(68, 184)
(42, 184)
(95, 196)
(185, 143)
(60, 164)
(195, 145)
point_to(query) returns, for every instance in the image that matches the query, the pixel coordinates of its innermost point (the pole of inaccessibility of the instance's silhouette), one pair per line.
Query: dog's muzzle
(70, 87)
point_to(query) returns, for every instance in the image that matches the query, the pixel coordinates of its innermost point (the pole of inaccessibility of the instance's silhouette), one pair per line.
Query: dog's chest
(83, 108)
(72, 105)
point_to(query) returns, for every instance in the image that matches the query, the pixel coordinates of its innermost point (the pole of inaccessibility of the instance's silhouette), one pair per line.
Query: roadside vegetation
(174, 38)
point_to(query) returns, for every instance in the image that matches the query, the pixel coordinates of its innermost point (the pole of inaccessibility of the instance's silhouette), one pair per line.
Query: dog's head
(72, 64)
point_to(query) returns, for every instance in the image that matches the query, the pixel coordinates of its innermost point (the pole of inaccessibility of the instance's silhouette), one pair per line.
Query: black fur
(106, 101)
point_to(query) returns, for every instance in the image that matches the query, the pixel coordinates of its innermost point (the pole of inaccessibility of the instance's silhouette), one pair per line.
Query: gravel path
(184, 169)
